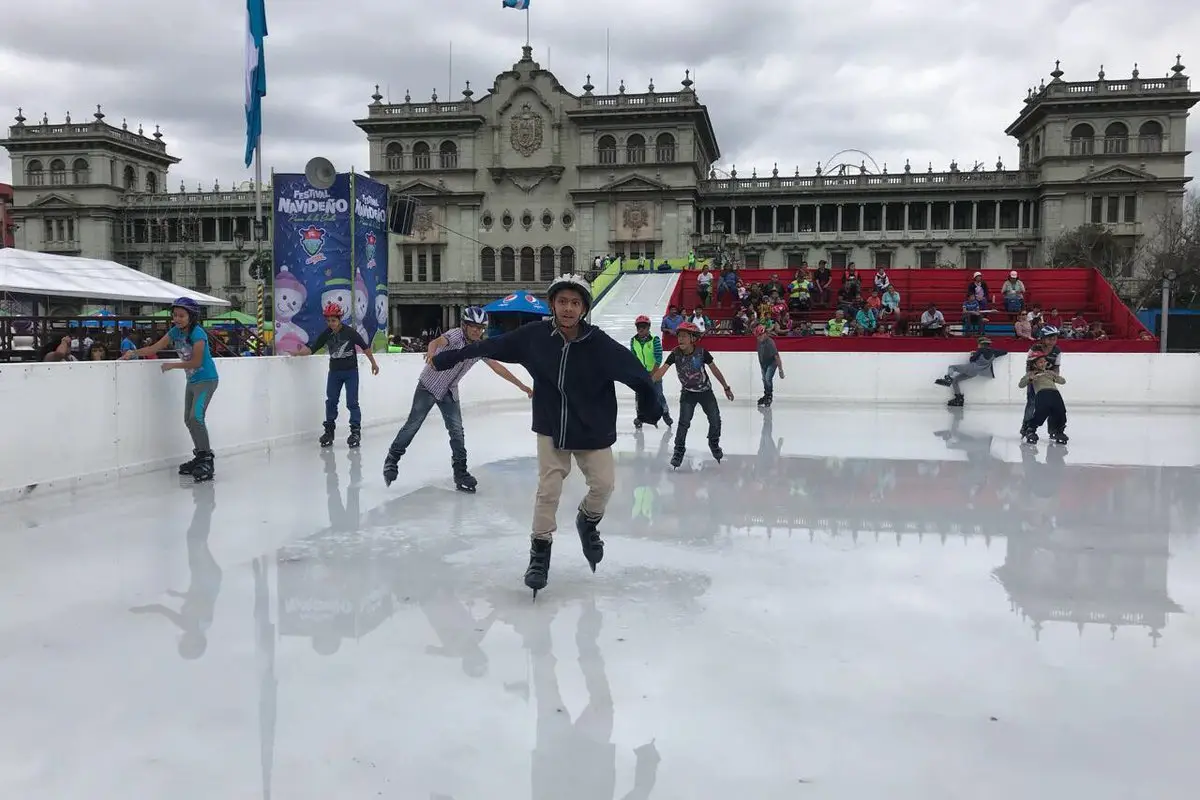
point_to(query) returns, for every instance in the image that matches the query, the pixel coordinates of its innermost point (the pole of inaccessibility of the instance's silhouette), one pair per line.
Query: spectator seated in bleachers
(933, 322)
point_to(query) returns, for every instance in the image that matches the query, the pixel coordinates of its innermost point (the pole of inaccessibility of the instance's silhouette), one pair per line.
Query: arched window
(421, 156)
(635, 149)
(487, 264)
(527, 266)
(566, 260)
(1116, 138)
(508, 265)
(606, 150)
(34, 175)
(546, 267)
(151, 182)
(395, 157)
(664, 148)
(1083, 140)
(1150, 137)
(448, 155)
(1037, 147)
(130, 180)
(80, 172)
(58, 172)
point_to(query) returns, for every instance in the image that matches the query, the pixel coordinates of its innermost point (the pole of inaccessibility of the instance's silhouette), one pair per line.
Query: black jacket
(574, 392)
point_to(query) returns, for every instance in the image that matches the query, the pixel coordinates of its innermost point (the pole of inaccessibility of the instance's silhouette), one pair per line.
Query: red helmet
(689, 327)
(759, 330)
(333, 310)
(642, 320)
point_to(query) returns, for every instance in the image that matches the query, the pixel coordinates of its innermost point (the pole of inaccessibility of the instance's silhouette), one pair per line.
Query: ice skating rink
(858, 603)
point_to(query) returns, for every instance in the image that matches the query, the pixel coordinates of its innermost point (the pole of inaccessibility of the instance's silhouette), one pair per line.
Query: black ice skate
(762, 401)
(589, 538)
(768, 400)
(203, 470)
(327, 437)
(1058, 437)
(355, 437)
(1031, 437)
(186, 467)
(957, 401)
(717, 452)
(667, 419)
(677, 458)
(464, 481)
(943, 381)
(390, 469)
(538, 572)
(637, 424)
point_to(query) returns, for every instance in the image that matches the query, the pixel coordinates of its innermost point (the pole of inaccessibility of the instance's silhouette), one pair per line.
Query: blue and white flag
(256, 73)
(520, 5)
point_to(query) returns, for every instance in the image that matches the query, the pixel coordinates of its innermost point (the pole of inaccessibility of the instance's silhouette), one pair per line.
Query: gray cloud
(787, 82)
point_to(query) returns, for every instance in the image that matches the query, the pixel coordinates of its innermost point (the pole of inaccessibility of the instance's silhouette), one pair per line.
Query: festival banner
(370, 237)
(312, 248)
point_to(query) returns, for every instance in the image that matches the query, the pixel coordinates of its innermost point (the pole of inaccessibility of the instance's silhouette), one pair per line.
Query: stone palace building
(531, 179)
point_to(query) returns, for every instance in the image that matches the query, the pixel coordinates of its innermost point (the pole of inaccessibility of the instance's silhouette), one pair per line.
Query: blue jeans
(423, 403)
(333, 393)
(768, 376)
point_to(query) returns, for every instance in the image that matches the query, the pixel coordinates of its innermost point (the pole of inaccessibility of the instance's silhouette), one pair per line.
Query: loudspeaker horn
(320, 172)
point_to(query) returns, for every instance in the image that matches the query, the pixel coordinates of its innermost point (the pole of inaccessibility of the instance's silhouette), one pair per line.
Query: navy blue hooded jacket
(574, 395)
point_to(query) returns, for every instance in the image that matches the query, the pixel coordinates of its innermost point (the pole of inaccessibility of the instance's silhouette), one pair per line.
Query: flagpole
(607, 60)
(527, 26)
(259, 228)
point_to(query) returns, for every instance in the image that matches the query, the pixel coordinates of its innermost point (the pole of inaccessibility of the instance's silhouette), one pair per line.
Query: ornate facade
(530, 180)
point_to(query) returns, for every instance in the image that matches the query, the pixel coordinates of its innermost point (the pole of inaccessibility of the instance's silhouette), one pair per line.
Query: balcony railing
(1016, 179)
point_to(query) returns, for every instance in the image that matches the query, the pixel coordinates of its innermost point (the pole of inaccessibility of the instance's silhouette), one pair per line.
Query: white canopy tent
(43, 274)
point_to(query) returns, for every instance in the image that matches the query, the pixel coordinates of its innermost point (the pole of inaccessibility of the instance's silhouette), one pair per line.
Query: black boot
(762, 401)
(327, 437)
(667, 418)
(538, 572)
(390, 469)
(677, 456)
(203, 471)
(715, 447)
(355, 437)
(1059, 437)
(957, 401)
(943, 381)
(186, 467)
(589, 538)
(463, 480)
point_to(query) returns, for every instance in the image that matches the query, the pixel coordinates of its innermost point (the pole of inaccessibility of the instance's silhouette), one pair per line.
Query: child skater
(1047, 345)
(648, 349)
(1048, 401)
(770, 362)
(981, 362)
(341, 341)
(441, 389)
(690, 362)
(190, 340)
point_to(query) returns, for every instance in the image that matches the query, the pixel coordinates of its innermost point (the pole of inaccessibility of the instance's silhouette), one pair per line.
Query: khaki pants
(554, 466)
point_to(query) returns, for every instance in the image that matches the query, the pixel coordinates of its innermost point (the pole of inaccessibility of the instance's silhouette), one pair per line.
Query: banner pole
(353, 248)
(259, 229)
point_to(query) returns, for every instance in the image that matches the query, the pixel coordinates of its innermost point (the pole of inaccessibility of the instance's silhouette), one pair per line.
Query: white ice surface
(933, 613)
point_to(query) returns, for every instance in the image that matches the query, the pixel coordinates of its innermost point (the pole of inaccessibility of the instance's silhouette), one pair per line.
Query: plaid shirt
(439, 384)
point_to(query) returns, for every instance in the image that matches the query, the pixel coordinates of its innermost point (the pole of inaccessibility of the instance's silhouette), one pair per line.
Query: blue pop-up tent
(518, 303)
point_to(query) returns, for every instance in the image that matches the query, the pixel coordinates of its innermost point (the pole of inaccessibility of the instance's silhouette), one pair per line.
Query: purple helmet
(187, 304)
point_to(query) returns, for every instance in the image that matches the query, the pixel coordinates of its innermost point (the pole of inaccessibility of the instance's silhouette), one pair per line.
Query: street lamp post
(743, 237)
(1168, 280)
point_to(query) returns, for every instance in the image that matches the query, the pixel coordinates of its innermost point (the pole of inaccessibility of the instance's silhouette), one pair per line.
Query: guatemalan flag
(256, 73)
(517, 4)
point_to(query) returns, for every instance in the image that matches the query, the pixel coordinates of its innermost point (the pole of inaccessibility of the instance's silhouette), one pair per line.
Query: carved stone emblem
(423, 223)
(636, 217)
(527, 128)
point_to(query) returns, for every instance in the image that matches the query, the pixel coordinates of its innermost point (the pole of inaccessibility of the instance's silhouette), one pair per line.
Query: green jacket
(649, 352)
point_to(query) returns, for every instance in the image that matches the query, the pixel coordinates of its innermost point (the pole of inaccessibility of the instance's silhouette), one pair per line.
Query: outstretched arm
(322, 340)
(149, 350)
(503, 372)
(507, 347)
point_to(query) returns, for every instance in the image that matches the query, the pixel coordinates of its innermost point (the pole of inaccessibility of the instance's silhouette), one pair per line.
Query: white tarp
(27, 272)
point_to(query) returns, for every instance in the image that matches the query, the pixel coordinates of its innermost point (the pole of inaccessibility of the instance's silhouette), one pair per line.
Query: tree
(1135, 268)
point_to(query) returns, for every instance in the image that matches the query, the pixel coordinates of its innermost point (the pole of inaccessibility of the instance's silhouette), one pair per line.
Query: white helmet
(474, 315)
(575, 282)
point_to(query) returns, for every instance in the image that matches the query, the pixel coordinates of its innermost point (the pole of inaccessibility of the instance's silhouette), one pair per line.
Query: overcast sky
(787, 81)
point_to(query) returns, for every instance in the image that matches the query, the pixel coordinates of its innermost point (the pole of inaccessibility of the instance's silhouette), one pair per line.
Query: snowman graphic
(290, 296)
(380, 342)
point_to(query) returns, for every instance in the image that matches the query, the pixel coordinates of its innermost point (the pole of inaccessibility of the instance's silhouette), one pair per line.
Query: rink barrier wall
(66, 425)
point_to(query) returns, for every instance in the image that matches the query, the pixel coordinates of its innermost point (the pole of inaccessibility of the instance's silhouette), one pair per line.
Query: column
(839, 218)
(753, 220)
(950, 218)
(1020, 215)
(883, 217)
(795, 219)
(817, 225)
(732, 229)
(929, 216)
(862, 216)
(997, 220)
(974, 215)
(775, 220)
(906, 217)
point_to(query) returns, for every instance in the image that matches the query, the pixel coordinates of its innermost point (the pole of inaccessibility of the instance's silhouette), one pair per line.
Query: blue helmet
(187, 304)
(474, 315)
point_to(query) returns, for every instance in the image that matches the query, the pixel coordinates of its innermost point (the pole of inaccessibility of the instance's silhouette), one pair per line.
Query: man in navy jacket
(574, 367)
